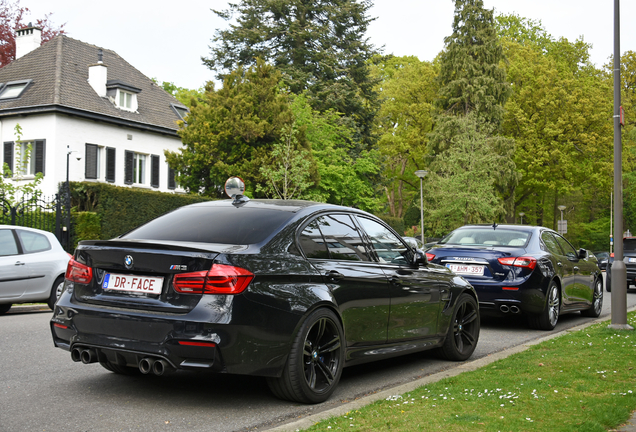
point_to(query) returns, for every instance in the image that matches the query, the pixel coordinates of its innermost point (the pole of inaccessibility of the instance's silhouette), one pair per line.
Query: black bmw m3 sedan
(290, 290)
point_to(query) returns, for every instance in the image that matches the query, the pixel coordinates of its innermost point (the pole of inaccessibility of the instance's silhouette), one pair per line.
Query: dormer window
(181, 111)
(123, 95)
(126, 100)
(14, 89)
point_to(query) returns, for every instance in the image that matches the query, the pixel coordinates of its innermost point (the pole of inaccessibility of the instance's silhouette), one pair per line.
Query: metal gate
(38, 211)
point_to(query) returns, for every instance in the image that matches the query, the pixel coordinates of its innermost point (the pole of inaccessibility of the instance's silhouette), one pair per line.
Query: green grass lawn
(581, 381)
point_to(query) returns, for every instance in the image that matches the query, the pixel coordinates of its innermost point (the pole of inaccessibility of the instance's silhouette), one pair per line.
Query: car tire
(4, 308)
(121, 370)
(463, 332)
(608, 280)
(597, 300)
(315, 361)
(56, 291)
(548, 318)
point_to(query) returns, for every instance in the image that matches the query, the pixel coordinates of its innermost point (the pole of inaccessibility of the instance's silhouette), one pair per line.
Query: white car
(32, 266)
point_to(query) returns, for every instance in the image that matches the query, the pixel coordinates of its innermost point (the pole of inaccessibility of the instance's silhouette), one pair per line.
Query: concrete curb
(17, 308)
(310, 420)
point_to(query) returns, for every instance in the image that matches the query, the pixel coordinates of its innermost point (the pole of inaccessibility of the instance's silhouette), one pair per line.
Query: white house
(76, 99)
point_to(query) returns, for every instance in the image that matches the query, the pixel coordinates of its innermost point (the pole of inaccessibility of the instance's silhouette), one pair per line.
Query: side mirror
(582, 253)
(419, 258)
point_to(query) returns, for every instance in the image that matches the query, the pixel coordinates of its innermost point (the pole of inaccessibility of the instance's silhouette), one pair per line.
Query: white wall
(61, 131)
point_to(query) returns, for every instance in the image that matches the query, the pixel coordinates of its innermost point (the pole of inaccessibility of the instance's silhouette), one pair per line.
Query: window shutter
(154, 171)
(110, 164)
(90, 167)
(128, 167)
(172, 184)
(8, 154)
(40, 156)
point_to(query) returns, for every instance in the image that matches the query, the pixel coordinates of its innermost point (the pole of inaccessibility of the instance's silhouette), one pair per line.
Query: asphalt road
(41, 389)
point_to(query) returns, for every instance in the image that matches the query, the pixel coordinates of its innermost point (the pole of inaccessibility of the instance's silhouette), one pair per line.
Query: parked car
(524, 269)
(32, 266)
(603, 259)
(629, 258)
(290, 290)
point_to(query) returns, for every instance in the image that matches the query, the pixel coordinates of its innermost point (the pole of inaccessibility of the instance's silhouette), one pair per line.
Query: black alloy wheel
(548, 318)
(597, 300)
(463, 333)
(315, 361)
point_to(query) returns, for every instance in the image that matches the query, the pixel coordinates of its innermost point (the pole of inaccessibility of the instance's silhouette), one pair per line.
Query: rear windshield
(629, 244)
(226, 225)
(487, 236)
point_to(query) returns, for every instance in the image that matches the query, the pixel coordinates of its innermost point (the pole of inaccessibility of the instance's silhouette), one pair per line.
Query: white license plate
(466, 269)
(133, 283)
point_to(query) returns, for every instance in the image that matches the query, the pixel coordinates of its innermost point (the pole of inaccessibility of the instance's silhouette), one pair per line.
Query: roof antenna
(494, 225)
(100, 55)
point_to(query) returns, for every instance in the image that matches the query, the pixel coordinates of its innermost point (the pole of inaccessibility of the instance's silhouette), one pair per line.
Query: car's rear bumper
(213, 336)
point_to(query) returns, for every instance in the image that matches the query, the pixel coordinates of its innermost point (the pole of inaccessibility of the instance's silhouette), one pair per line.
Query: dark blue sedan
(521, 269)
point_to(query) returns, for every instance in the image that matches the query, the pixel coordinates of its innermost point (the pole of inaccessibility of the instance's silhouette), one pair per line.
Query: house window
(172, 183)
(125, 100)
(14, 89)
(181, 111)
(25, 158)
(93, 162)
(135, 168)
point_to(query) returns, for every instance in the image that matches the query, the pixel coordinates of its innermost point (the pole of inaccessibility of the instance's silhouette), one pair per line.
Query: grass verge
(581, 381)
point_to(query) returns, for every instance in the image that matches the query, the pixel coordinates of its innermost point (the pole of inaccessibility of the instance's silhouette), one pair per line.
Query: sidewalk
(341, 410)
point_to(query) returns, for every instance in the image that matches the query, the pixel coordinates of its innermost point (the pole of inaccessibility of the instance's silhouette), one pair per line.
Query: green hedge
(117, 210)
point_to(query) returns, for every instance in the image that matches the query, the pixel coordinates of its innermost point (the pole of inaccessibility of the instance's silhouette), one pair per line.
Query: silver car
(32, 266)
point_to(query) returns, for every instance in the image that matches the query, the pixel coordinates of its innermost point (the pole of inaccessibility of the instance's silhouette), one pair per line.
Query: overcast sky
(166, 39)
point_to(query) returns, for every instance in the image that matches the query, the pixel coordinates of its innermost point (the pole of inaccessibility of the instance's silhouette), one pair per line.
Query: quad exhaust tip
(84, 355)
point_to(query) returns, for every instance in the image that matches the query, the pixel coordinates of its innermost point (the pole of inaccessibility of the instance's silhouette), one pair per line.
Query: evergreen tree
(232, 132)
(319, 46)
(471, 77)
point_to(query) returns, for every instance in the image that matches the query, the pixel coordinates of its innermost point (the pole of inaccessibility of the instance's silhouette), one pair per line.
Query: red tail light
(78, 272)
(429, 256)
(526, 262)
(220, 279)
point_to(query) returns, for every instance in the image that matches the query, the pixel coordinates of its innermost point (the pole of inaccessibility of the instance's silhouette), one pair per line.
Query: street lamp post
(561, 207)
(421, 174)
(521, 215)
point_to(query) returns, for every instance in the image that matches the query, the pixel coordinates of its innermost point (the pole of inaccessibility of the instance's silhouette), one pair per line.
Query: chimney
(98, 75)
(26, 40)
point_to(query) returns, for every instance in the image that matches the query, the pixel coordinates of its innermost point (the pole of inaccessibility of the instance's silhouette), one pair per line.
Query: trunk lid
(138, 274)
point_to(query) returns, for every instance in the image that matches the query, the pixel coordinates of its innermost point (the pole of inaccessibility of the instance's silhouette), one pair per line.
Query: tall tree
(407, 89)
(12, 17)
(471, 76)
(461, 187)
(319, 46)
(232, 132)
(560, 117)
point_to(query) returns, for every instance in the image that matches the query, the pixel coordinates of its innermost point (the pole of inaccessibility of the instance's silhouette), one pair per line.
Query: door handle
(576, 268)
(334, 276)
(18, 263)
(559, 264)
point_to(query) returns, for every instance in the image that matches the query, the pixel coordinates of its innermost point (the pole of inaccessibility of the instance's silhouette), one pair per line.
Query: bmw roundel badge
(128, 262)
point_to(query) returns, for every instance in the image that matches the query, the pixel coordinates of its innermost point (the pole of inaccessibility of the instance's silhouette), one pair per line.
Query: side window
(551, 243)
(342, 238)
(333, 237)
(387, 245)
(569, 250)
(312, 243)
(33, 242)
(7, 243)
